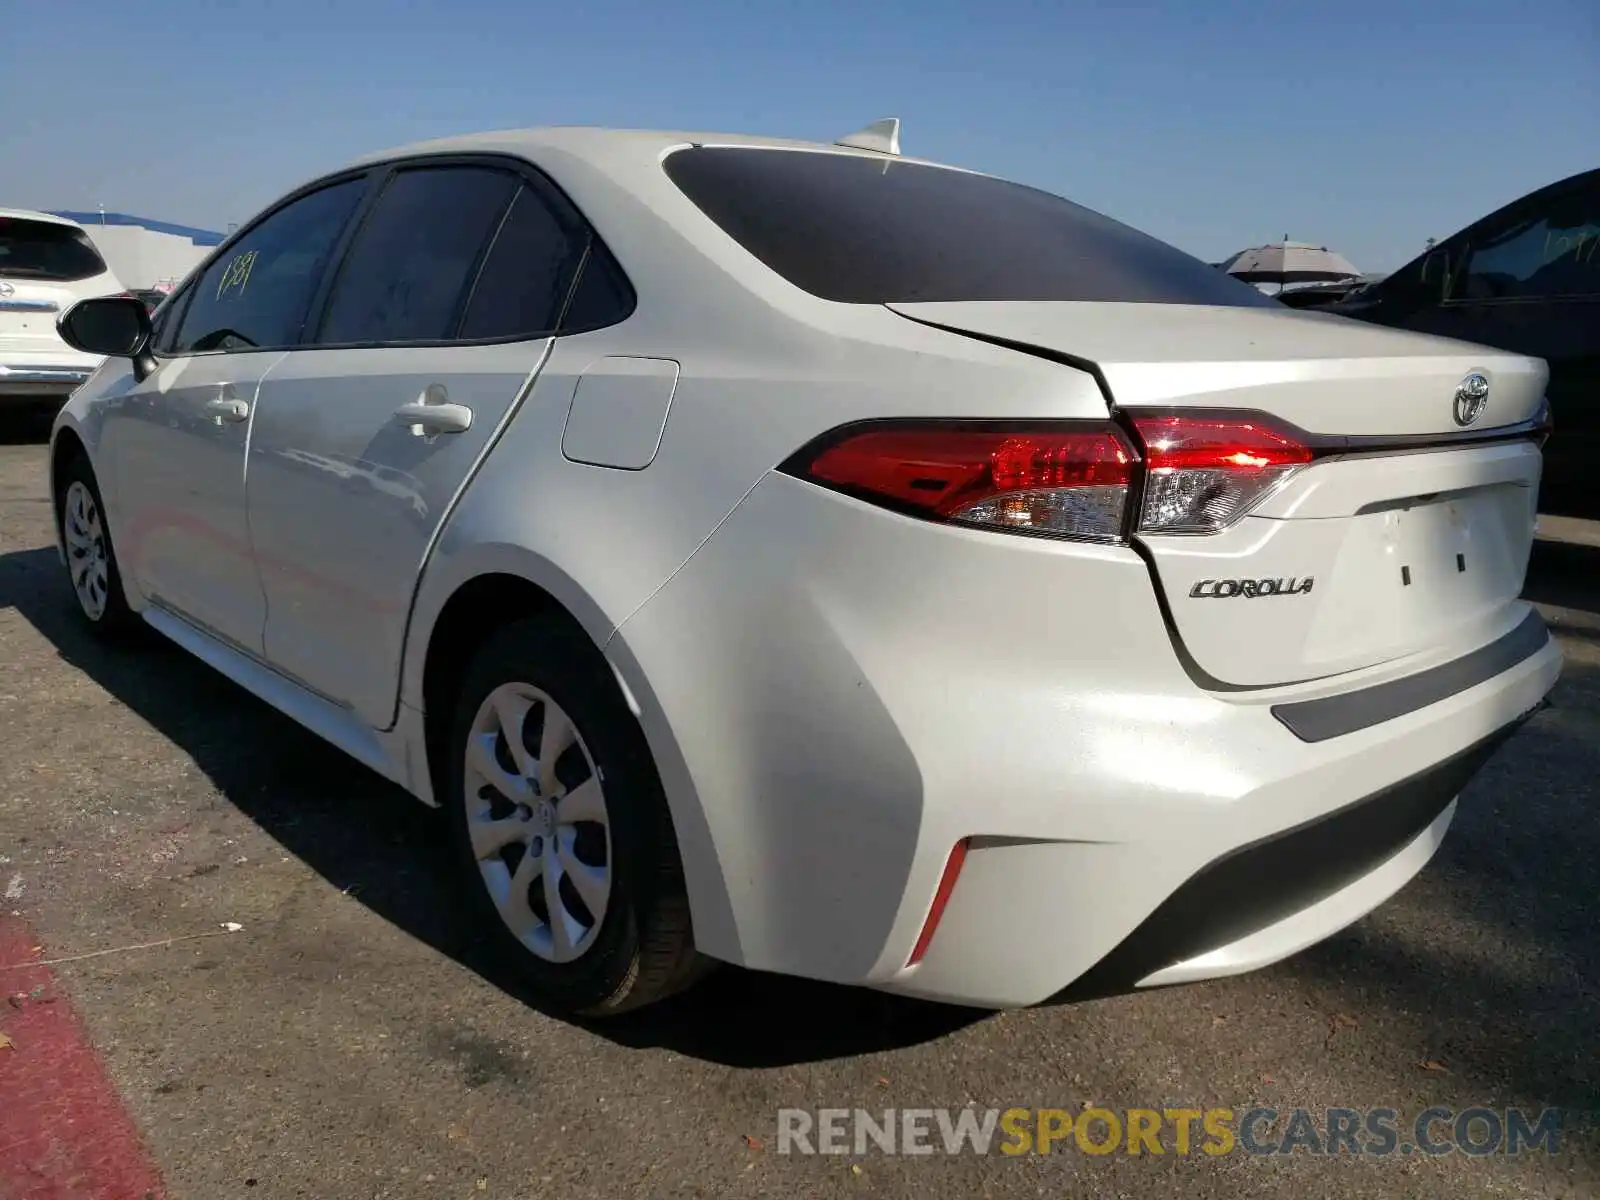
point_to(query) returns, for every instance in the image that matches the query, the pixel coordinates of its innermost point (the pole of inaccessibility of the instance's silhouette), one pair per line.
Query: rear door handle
(432, 412)
(225, 409)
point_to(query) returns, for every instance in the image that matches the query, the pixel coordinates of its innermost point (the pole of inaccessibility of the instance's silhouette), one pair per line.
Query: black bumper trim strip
(1335, 716)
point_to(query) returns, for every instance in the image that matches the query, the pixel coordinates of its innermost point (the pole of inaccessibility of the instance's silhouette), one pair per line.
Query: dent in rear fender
(780, 760)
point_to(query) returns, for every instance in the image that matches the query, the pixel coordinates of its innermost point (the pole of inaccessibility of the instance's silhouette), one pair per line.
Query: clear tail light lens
(1203, 473)
(1056, 480)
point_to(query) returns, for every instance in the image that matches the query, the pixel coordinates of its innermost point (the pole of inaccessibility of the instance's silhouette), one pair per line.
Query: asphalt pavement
(350, 1039)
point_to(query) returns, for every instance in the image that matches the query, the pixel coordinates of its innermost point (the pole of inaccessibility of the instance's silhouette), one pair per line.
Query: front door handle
(227, 410)
(432, 413)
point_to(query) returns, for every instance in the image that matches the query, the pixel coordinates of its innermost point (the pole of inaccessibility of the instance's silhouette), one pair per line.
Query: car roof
(667, 246)
(583, 141)
(27, 214)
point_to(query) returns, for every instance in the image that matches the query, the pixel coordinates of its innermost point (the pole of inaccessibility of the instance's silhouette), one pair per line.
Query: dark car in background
(1525, 278)
(1323, 295)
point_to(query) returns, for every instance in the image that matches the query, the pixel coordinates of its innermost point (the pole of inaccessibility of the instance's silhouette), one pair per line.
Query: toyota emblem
(1472, 397)
(6, 289)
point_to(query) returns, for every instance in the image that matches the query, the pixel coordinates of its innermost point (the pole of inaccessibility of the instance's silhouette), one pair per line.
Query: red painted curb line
(64, 1133)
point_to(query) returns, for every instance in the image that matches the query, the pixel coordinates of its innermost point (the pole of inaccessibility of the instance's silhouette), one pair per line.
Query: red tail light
(1063, 480)
(1203, 473)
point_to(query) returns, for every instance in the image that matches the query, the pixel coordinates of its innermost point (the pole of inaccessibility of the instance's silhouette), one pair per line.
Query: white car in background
(820, 560)
(47, 264)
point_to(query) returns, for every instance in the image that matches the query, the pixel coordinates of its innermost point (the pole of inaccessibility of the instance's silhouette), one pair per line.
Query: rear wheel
(91, 560)
(562, 827)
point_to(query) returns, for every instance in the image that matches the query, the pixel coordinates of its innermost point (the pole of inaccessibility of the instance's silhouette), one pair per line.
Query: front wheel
(562, 827)
(91, 559)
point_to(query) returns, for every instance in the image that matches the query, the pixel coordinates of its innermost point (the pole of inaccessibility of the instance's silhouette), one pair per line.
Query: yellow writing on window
(1581, 242)
(236, 275)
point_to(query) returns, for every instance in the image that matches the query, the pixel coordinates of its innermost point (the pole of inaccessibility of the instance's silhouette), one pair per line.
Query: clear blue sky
(1367, 125)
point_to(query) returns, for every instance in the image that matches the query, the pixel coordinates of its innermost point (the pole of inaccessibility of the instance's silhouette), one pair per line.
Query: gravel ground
(351, 1040)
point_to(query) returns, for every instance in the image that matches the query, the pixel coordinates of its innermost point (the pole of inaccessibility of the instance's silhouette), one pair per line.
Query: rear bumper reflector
(1335, 716)
(941, 897)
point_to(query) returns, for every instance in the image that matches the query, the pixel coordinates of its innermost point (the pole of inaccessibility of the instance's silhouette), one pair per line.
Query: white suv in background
(47, 264)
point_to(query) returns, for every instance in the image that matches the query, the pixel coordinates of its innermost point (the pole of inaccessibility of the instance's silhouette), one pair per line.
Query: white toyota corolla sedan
(816, 559)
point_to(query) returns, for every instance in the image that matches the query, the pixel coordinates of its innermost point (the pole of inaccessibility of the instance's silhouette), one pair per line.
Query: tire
(101, 601)
(640, 946)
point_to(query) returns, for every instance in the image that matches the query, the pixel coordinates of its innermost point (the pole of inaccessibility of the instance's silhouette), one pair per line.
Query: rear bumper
(42, 379)
(1244, 887)
(836, 696)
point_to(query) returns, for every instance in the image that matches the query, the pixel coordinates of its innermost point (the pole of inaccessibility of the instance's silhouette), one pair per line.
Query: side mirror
(112, 327)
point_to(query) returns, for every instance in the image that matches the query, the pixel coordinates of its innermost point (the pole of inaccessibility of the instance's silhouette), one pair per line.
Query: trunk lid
(1406, 539)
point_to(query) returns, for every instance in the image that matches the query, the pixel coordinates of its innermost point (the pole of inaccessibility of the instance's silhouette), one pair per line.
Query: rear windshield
(877, 231)
(45, 250)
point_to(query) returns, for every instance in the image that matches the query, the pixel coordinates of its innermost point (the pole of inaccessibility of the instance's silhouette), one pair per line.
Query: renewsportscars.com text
(1377, 1132)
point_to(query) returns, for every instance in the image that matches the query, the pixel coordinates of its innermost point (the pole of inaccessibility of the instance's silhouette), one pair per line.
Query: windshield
(877, 231)
(46, 250)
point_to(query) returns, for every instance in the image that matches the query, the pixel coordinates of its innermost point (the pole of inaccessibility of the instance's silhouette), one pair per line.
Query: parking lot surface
(351, 1040)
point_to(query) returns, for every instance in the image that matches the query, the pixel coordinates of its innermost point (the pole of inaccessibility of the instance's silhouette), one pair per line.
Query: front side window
(876, 231)
(1547, 253)
(256, 293)
(46, 251)
(409, 267)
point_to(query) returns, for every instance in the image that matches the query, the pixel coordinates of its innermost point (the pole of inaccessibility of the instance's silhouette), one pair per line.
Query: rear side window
(257, 292)
(603, 295)
(526, 278)
(406, 275)
(46, 251)
(874, 231)
(1545, 254)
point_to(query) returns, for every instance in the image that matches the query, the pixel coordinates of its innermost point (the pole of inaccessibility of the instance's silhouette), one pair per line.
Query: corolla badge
(1472, 397)
(1227, 589)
